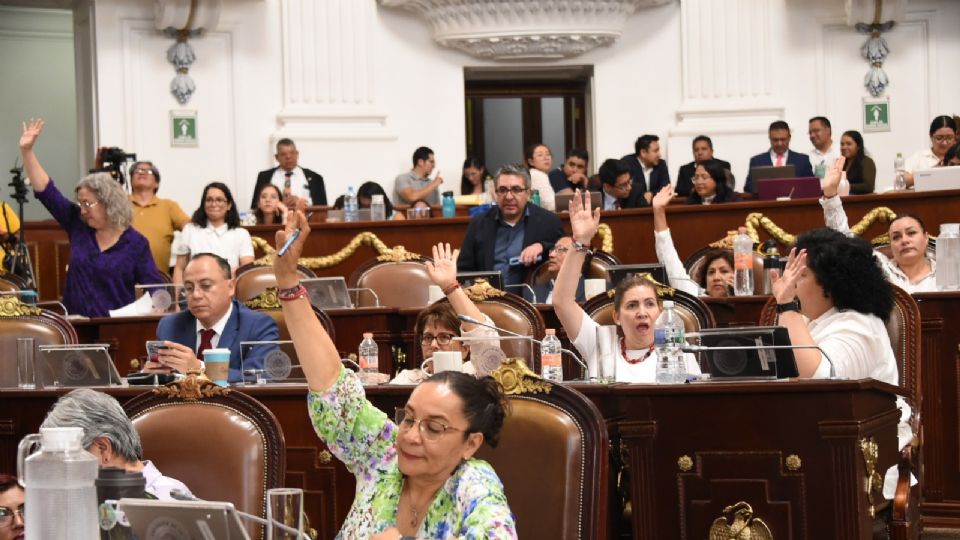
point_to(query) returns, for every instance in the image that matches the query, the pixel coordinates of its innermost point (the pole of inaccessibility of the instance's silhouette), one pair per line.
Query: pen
(291, 239)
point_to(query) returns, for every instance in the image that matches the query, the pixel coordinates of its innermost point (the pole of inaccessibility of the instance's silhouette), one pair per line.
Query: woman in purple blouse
(107, 256)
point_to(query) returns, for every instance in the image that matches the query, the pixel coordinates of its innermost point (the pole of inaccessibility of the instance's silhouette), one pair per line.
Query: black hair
(421, 154)
(285, 142)
(847, 271)
(156, 171)
(7, 482)
(232, 219)
(719, 175)
(261, 217)
(708, 259)
(369, 189)
(823, 120)
(854, 167)
(466, 186)
(578, 153)
(643, 143)
(778, 124)
(704, 138)
(484, 404)
(529, 150)
(221, 262)
(941, 122)
(911, 215)
(952, 153)
(611, 169)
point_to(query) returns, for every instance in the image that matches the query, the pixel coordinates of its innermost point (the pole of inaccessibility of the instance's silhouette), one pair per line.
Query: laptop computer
(562, 202)
(936, 179)
(746, 363)
(771, 171)
(328, 292)
(771, 189)
(158, 520)
(75, 366)
(620, 271)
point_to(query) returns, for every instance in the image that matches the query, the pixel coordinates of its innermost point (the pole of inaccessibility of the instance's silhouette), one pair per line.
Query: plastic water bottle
(668, 339)
(61, 499)
(351, 209)
(743, 263)
(535, 197)
(899, 182)
(448, 205)
(369, 355)
(551, 367)
(378, 209)
(948, 257)
(844, 188)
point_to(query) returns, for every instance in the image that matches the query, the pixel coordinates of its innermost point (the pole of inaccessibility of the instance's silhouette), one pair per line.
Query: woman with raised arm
(716, 273)
(416, 475)
(636, 304)
(108, 257)
(910, 269)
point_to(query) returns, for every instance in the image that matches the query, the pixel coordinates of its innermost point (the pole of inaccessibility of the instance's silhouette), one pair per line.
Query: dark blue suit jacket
(659, 176)
(244, 324)
(800, 162)
(476, 252)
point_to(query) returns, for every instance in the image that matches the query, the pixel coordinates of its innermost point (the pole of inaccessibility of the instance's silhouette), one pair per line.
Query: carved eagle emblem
(744, 526)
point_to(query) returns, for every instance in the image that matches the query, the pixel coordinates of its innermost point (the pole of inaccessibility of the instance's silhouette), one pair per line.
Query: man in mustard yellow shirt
(153, 217)
(9, 224)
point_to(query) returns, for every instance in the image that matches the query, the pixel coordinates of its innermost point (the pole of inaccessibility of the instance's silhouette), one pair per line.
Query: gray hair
(513, 170)
(99, 415)
(109, 193)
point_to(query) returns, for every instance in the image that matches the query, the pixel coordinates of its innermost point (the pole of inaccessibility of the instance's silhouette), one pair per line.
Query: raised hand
(663, 197)
(831, 180)
(31, 130)
(285, 267)
(443, 268)
(785, 285)
(583, 222)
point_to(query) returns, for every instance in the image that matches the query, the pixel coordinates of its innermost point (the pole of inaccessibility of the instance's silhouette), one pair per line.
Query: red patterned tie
(779, 160)
(205, 343)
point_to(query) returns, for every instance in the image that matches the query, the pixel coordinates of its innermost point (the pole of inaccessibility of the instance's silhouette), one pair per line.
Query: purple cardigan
(98, 281)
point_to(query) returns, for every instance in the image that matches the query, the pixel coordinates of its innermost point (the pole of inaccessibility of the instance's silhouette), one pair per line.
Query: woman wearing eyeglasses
(416, 474)
(11, 509)
(108, 257)
(943, 135)
(215, 228)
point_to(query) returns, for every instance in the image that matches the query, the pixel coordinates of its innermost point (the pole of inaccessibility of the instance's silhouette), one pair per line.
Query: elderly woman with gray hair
(107, 256)
(109, 435)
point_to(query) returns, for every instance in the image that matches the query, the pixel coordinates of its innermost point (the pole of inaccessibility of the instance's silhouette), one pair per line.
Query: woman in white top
(910, 269)
(636, 305)
(943, 135)
(539, 160)
(214, 228)
(716, 273)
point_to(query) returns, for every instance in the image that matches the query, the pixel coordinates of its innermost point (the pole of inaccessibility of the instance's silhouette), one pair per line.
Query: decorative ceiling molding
(525, 29)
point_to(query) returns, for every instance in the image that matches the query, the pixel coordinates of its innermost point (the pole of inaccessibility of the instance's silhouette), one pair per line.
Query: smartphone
(153, 350)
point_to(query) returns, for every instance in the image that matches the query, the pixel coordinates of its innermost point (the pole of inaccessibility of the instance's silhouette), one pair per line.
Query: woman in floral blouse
(416, 476)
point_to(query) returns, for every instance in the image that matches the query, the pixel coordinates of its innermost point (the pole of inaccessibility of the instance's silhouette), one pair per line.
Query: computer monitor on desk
(936, 179)
(771, 171)
(772, 189)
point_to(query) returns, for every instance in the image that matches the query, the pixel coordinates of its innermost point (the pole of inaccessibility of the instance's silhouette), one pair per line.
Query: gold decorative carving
(793, 462)
(268, 299)
(195, 386)
(482, 290)
(325, 457)
(398, 254)
(744, 525)
(662, 290)
(606, 237)
(685, 463)
(873, 483)
(756, 221)
(516, 378)
(11, 306)
(365, 238)
(134, 364)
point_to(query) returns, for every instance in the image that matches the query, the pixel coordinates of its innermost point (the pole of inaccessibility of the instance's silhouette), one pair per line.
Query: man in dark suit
(618, 188)
(214, 319)
(702, 151)
(511, 236)
(297, 184)
(779, 155)
(648, 171)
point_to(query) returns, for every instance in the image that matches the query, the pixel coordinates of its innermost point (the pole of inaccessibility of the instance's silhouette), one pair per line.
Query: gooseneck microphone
(581, 363)
(181, 495)
(707, 348)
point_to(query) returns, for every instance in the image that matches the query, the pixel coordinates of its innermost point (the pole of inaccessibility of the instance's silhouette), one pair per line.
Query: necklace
(414, 511)
(623, 352)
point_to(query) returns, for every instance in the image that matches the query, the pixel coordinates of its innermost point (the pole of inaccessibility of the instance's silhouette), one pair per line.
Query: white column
(328, 82)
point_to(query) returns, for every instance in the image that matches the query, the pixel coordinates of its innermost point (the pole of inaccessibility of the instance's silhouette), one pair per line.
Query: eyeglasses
(6, 514)
(442, 338)
(84, 205)
(204, 287)
(516, 190)
(143, 171)
(215, 200)
(944, 139)
(430, 430)
(559, 249)
(623, 187)
(702, 177)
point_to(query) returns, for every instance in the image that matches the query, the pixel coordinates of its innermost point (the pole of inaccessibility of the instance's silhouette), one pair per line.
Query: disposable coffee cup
(594, 287)
(217, 363)
(444, 361)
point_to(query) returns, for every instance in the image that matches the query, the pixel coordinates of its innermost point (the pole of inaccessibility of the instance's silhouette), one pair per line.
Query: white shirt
(217, 329)
(159, 485)
(609, 201)
(826, 159)
(298, 182)
(836, 219)
(921, 159)
(644, 371)
(676, 273)
(478, 350)
(541, 182)
(231, 244)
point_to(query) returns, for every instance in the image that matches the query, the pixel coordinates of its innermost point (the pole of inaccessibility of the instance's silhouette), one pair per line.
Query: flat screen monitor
(620, 271)
(936, 179)
(771, 171)
(771, 189)
(159, 520)
(328, 292)
(742, 361)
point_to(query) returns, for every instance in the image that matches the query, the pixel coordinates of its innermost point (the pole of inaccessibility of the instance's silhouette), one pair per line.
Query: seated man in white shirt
(109, 435)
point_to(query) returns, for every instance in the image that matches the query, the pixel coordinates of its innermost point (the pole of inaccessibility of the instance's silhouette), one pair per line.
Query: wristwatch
(583, 248)
(789, 306)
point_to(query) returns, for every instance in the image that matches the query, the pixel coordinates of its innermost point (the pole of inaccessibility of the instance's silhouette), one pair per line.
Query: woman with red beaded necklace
(636, 305)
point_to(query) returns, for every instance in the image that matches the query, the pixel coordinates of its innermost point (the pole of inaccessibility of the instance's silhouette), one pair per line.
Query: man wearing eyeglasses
(513, 235)
(544, 289)
(618, 187)
(153, 217)
(215, 319)
(300, 186)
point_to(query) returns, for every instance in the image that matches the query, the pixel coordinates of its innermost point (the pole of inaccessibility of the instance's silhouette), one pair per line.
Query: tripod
(20, 263)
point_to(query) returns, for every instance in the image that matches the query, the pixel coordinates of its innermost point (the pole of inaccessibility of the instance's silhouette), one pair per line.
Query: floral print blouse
(470, 505)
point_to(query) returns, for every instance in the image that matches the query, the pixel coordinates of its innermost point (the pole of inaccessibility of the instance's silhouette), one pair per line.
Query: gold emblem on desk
(744, 527)
(11, 306)
(482, 290)
(873, 483)
(268, 299)
(517, 378)
(195, 386)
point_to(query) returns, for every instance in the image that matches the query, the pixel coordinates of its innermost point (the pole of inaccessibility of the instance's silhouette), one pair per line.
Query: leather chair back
(400, 284)
(22, 320)
(11, 282)
(695, 314)
(551, 459)
(694, 265)
(596, 267)
(253, 279)
(224, 445)
(512, 312)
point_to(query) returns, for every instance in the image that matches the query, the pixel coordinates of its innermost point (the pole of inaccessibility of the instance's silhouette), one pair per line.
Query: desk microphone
(707, 348)
(584, 369)
(181, 495)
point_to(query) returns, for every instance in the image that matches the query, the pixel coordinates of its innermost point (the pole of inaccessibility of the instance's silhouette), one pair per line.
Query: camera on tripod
(112, 160)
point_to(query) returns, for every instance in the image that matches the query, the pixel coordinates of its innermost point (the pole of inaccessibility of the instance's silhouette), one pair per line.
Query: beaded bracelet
(293, 293)
(450, 288)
